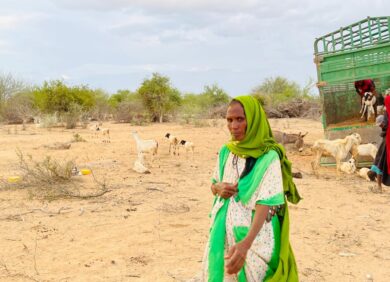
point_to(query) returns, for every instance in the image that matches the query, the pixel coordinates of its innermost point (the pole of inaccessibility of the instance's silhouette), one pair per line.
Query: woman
(381, 167)
(247, 241)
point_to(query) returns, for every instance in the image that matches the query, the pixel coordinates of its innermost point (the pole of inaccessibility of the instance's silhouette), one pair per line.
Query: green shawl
(257, 143)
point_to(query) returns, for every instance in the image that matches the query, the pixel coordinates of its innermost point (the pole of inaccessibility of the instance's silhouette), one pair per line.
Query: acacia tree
(214, 99)
(56, 96)
(214, 95)
(276, 90)
(159, 97)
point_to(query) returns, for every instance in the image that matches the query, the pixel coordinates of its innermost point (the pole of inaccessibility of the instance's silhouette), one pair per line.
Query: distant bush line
(156, 100)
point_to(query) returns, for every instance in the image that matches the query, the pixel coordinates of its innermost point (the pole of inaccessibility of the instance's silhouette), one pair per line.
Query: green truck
(355, 52)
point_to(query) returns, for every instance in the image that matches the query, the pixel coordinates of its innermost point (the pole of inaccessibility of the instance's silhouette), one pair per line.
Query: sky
(116, 44)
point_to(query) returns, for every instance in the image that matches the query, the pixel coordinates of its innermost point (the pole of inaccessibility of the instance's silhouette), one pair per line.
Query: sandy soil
(153, 227)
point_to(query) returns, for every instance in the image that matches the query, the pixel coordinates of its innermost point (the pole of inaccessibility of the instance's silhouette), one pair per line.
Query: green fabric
(287, 270)
(240, 233)
(259, 140)
(223, 156)
(274, 262)
(246, 186)
(216, 253)
(218, 231)
(275, 200)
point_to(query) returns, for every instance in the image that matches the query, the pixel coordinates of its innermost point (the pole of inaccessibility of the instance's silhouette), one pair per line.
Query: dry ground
(154, 227)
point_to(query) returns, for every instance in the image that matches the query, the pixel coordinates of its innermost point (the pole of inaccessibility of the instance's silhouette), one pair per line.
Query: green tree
(56, 96)
(159, 97)
(127, 106)
(214, 96)
(191, 106)
(122, 96)
(276, 90)
(100, 107)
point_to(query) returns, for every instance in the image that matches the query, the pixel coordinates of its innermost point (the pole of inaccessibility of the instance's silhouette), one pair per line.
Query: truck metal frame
(355, 52)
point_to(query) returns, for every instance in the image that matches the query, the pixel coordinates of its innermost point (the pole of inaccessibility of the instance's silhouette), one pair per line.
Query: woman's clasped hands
(226, 190)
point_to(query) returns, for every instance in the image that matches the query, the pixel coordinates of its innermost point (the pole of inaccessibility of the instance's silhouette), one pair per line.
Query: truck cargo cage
(361, 34)
(355, 52)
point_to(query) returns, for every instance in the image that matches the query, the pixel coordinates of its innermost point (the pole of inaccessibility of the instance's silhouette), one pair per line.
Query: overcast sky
(115, 44)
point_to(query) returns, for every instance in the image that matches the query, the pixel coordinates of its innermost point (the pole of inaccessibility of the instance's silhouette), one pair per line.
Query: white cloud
(132, 20)
(237, 43)
(166, 5)
(112, 70)
(65, 77)
(186, 34)
(8, 21)
(13, 21)
(5, 48)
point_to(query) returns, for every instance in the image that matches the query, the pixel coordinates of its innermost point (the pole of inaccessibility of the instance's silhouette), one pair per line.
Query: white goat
(348, 167)
(94, 128)
(189, 146)
(105, 133)
(368, 102)
(145, 146)
(139, 164)
(37, 121)
(364, 150)
(338, 148)
(173, 142)
(363, 173)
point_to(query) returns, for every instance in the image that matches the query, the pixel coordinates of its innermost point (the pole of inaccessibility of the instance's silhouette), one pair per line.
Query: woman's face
(236, 121)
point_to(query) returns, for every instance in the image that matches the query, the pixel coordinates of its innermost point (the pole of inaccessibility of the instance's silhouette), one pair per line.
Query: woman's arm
(237, 254)
(223, 189)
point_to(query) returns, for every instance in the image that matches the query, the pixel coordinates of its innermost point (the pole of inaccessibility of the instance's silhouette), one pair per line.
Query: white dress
(267, 242)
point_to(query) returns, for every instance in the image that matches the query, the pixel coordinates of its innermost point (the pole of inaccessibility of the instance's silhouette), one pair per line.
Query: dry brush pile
(294, 109)
(51, 179)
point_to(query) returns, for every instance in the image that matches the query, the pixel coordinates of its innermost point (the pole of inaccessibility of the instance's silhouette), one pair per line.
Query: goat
(287, 138)
(37, 121)
(364, 150)
(348, 167)
(368, 102)
(338, 148)
(145, 146)
(139, 164)
(94, 128)
(173, 142)
(363, 172)
(189, 146)
(105, 133)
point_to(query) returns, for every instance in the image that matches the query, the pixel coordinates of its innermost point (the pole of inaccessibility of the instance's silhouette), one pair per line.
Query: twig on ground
(13, 275)
(35, 253)
(51, 212)
(2, 263)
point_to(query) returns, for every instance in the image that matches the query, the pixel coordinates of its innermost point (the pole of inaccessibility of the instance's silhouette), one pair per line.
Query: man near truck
(363, 86)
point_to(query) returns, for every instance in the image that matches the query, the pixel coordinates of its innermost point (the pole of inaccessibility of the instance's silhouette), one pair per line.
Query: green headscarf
(259, 140)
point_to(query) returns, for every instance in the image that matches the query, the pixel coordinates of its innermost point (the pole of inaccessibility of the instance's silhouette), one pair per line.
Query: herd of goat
(339, 149)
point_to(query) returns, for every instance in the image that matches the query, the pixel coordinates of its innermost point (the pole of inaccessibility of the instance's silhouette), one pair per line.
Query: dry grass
(77, 138)
(50, 179)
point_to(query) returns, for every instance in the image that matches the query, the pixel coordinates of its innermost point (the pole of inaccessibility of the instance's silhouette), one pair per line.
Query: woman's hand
(236, 258)
(225, 190)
